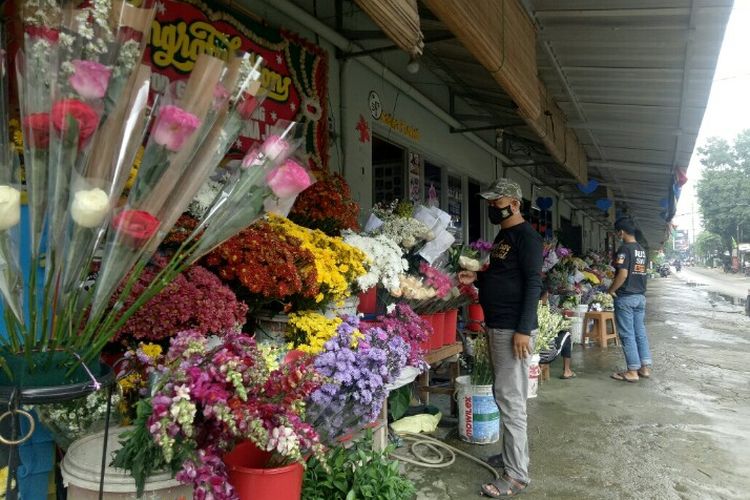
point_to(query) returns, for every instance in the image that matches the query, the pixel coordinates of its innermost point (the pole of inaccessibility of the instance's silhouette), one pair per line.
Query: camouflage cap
(502, 188)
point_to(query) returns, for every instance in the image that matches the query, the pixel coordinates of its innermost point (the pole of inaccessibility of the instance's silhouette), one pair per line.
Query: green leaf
(398, 401)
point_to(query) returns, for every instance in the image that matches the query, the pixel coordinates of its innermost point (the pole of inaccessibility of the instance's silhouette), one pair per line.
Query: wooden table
(436, 356)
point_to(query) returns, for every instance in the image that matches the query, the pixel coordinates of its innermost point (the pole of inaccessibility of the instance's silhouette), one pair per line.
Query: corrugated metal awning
(633, 78)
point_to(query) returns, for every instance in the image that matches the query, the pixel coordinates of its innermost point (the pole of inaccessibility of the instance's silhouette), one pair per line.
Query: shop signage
(389, 120)
(295, 71)
(400, 126)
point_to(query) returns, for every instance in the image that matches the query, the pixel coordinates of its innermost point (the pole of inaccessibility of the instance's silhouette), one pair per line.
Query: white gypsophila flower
(127, 59)
(66, 40)
(204, 198)
(89, 207)
(10, 207)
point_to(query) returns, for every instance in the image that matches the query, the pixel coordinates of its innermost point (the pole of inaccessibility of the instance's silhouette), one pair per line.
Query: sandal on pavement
(623, 377)
(563, 377)
(496, 461)
(504, 487)
(644, 372)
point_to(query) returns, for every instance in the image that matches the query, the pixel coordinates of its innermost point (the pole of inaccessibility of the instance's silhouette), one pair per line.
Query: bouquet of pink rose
(84, 103)
(208, 398)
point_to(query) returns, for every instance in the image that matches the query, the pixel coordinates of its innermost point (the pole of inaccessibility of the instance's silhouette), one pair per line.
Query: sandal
(623, 377)
(563, 377)
(644, 372)
(504, 487)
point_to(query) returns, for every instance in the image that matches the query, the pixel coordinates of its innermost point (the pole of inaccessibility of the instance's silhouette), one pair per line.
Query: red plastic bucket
(245, 465)
(476, 318)
(449, 327)
(368, 301)
(427, 318)
(438, 324)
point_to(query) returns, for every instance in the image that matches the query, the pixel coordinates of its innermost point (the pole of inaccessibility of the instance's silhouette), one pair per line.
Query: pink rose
(288, 179)
(90, 79)
(173, 127)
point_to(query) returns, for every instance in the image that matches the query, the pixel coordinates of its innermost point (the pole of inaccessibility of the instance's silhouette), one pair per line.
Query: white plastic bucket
(534, 371)
(581, 310)
(576, 330)
(478, 415)
(82, 465)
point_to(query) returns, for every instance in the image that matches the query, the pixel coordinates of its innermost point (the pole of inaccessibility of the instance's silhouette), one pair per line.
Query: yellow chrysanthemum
(134, 168)
(337, 263)
(311, 330)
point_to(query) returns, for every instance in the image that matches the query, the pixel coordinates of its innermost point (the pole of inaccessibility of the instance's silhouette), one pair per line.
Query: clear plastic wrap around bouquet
(85, 110)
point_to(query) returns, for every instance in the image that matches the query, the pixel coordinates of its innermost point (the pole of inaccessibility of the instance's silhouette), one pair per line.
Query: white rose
(10, 207)
(89, 207)
(469, 264)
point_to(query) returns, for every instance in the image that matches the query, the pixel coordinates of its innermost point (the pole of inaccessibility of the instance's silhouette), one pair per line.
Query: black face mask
(498, 215)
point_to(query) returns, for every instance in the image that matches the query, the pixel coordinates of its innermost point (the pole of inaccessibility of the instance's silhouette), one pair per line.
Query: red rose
(127, 34)
(48, 34)
(36, 130)
(81, 112)
(135, 226)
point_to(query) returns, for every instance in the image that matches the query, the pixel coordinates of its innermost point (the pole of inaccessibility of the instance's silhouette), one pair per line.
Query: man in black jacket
(509, 292)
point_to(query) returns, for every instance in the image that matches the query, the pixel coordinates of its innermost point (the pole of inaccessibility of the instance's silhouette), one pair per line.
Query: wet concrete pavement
(684, 434)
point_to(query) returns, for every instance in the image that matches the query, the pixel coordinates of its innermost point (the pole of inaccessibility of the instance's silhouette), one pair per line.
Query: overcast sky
(728, 110)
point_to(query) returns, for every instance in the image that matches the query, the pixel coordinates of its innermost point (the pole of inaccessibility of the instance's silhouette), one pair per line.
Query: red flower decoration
(79, 111)
(266, 266)
(48, 34)
(327, 205)
(135, 226)
(36, 130)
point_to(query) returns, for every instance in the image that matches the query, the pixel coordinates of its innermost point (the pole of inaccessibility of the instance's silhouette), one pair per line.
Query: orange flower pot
(438, 324)
(449, 326)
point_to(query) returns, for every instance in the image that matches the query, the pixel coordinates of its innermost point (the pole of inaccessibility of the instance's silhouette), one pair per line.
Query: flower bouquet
(265, 266)
(195, 300)
(550, 324)
(210, 396)
(602, 301)
(310, 330)
(85, 111)
(134, 372)
(71, 420)
(358, 365)
(385, 261)
(337, 264)
(402, 321)
(481, 368)
(327, 206)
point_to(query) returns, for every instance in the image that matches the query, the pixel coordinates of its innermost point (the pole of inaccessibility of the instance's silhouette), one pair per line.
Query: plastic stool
(599, 330)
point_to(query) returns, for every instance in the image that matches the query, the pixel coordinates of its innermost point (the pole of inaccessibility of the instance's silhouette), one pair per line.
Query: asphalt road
(716, 280)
